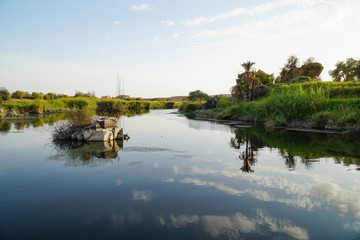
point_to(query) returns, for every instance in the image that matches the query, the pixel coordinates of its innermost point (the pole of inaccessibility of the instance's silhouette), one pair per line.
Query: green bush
(4, 94)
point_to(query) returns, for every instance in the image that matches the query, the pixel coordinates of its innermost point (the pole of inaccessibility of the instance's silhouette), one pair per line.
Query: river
(178, 178)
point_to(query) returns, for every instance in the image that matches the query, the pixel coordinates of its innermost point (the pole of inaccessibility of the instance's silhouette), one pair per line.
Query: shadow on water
(295, 147)
(79, 153)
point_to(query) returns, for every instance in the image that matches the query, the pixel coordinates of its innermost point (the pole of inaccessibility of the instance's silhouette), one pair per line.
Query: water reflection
(5, 127)
(237, 225)
(79, 153)
(295, 147)
(250, 145)
(31, 121)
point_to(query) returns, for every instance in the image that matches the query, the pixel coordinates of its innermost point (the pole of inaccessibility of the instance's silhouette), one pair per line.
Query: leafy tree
(265, 78)
(198, 96)
(18, 94)
(308, 71)
(49, 96)
(288, 71)
(35, 95)
(345, 71)
(357, 70)
(4, 94)
(27, 95)
(88, 94)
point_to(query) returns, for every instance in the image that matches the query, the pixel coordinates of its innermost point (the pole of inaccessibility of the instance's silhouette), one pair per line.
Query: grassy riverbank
(100, 105)
(323, 105)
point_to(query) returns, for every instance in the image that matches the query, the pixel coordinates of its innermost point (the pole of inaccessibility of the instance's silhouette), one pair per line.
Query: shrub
(77, 103)
(4, 94)
(35, 95)
(198, 96)
(18, 94)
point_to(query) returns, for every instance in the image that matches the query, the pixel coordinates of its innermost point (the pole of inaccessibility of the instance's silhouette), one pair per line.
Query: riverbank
(27, 108)
(325, 106)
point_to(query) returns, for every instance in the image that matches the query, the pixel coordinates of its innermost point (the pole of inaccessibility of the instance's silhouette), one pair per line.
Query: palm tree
(245, 82)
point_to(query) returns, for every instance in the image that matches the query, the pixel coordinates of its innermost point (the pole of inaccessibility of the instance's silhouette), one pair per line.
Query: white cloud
(141, 7)
(168, 22)
(116, 22)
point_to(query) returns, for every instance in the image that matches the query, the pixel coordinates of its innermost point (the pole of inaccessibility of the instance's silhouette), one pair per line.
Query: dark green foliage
(108, 107)
(288, 71)
(77, 103)
(169, 105)
(245, 82)
(18, 94)
(346, 71)
(81, 94)
(198, 96)
(35, 95)
(190, 107)
(292, 72)
(49, 96)
(4, 94)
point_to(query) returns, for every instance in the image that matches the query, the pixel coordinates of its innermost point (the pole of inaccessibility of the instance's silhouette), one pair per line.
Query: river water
(178, 178)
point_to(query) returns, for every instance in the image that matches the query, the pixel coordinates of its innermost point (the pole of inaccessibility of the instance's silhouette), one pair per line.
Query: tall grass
(111, 105)
(321, 103)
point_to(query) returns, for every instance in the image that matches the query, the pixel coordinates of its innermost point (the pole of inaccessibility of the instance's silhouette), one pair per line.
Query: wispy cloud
(257, 10)
(141, 7)
(168, 22)
(290, 23)
(116, 22)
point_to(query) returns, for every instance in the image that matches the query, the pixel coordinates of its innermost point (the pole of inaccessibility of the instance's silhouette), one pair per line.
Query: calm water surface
(178, 178)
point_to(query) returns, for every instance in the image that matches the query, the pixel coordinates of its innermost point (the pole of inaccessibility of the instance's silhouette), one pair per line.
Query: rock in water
(102, 130)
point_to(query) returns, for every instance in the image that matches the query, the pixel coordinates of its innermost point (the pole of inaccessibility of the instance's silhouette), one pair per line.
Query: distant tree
(308, 71)
(49, 96)
(357, 70)
(4, 94)
(265, 78)
(35, 95)
(81, 94)
(345, 71)
(27, 95)
(245, 82)
(61, 96)
(18, 94)
(288, 71)
(198, 96)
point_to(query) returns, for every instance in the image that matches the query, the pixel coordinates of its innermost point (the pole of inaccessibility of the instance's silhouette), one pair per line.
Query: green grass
(322, 103)
(109, 105)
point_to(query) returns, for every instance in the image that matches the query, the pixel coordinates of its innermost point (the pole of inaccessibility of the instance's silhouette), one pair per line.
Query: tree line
(291, 72)
(6, 95)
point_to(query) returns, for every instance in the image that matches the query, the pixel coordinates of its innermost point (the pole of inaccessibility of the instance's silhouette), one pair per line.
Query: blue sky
(163, 47)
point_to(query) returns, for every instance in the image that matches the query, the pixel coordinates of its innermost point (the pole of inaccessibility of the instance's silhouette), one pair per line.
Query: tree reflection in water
(250, 153)
(79, 153)
(295, 147)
